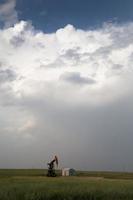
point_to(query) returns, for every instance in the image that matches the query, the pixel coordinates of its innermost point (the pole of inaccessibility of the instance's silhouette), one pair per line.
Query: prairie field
(34, 185)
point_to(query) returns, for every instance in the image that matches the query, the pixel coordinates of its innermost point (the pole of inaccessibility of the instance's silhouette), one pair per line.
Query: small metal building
(68, 172)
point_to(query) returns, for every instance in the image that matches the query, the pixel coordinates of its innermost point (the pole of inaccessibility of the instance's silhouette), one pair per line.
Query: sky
(66, 84)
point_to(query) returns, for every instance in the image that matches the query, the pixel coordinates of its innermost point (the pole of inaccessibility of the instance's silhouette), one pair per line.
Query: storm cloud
(67, 93)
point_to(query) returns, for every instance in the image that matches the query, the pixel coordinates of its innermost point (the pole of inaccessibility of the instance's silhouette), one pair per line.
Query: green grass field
(34, 185)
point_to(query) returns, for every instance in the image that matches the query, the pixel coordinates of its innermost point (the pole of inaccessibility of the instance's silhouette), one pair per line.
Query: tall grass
(35, 186)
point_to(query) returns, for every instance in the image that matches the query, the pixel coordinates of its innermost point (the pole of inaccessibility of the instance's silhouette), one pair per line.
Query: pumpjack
(51, 167)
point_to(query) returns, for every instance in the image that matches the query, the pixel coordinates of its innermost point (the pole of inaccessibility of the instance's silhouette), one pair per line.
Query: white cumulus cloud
(102, 56)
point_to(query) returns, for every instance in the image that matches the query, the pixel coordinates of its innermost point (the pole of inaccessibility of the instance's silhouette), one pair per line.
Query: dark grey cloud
(7, 75)
(7, 95)
(76, 78)
(117, 67)
(17, 41)
(72, 53)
